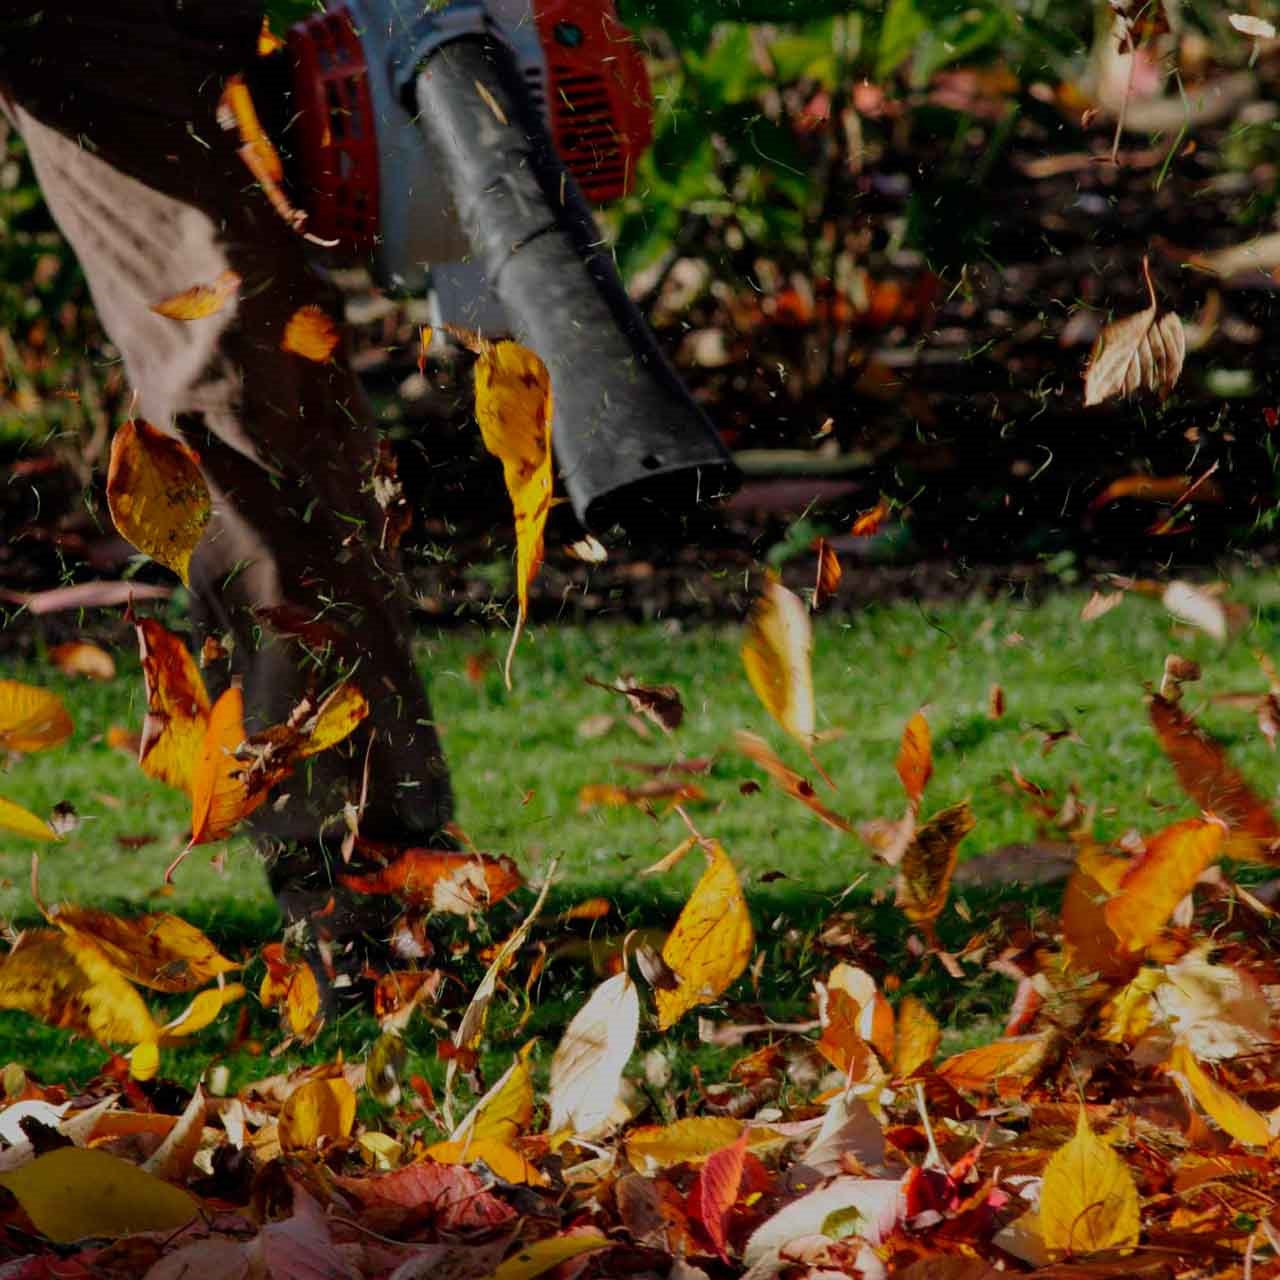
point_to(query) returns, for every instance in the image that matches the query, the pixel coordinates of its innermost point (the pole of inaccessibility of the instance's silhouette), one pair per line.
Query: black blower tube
(632, 446)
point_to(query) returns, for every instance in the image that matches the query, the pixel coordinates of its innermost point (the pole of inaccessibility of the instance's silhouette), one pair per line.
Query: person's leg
(154, 198)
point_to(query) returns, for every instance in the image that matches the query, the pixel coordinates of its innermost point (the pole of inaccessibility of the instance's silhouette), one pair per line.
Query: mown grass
(520, 759)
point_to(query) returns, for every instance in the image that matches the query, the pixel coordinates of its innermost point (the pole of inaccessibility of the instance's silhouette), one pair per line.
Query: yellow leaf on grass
(918, 1037)
(1237, 1118)
(31, 719)
(201, 1011)
(924, 875)
(13, 817)
(514, 408)
(711, 942)
(69, 982)
(220, 795)
(534, 1259)
(310, 333)
(776, 653)
(80, 658)
(159, 951)
(1088, 1200)
(77, 1192)
(688, 1141)
(317, 1110)
(200, 300)
(157, 495)
(177, 707)
(1157, 881)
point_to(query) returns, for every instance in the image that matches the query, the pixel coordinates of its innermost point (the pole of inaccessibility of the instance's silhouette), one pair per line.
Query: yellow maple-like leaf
(1088, 1200)
(317, 1110)
(711, 942)
(1157, 881)
(157, 495)
(918, 1037)
(924, 875)
(1237, 1118)
(514, 408)
(312, 333)
(776, 655)
(31, 719)
(68, 981)
(13, 817)
(200, 300)
(177, 707)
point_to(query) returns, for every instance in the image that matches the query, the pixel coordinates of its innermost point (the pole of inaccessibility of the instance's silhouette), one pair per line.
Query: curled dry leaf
(658, 703)
(80, 658)
(924, 875)
(795, 785)
(829, 573)
(1142, 488)
(609, 795)
(711, 942)
(775, 653)
(157, 494)
(586, 1071)
(312, 333)
(31, 719)
(1141, 352)
(1099, 604)
(200, 300)
(177, 707)
(589, 550)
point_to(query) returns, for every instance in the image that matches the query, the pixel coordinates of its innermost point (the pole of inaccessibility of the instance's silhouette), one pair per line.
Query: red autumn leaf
(716, 1191)
(425, 1194)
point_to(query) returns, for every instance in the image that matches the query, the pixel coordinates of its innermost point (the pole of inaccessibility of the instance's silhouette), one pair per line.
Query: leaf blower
(477, 132)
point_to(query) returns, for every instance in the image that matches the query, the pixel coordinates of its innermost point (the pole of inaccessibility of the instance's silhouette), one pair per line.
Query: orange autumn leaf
(31, 719)
(716, 1191)
(1213, 783)
(425, 334)
(1160, 878)
(1089, 944)
(840, 1043)
(775, 653)
(336, 718)
(1232, 1115)
(1014, 1060)
(220, 793)
(177, 707)
(915, 758)
(238, 103)
(924, 874)
(869, 522)
(310, 333)
(268, 41)
(795, 785)
(1157, 489)
(711, 942)
(514, 407)
(157, 495)
(441, 880)
(200, 300)
(829, 573)
(81, 658)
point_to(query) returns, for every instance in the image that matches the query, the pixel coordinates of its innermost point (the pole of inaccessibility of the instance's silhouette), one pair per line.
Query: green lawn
(519, 760)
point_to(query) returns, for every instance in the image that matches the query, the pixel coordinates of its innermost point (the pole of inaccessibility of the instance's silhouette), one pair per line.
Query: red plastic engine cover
(597, 93)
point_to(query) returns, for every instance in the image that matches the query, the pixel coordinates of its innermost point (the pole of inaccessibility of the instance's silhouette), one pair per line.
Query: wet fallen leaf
(1141, 352)
(775, 653)
(157, 494)
(31, 719)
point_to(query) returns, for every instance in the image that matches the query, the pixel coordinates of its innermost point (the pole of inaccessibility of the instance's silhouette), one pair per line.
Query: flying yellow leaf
(157, 495)
(711, 942)
(177, 707)
(31, 719)
(317, 1110)
(915, 758)
(1088, 1200)
(507, 1109)
(1157, 881)
(220, 794)
(200, 300)
(918, 1038)
(536, 1258)
(1237, 1118)
(924, 875)
(310, 333)
(586, 1071)
(69, 982)
(76, 1192)
(159, 951)
(775, 653)
(201, 1011)
(13, 817)
(336, 718)
(80, 658)
(514, 407)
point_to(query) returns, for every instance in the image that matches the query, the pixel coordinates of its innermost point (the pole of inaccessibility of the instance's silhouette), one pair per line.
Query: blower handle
(632, 445)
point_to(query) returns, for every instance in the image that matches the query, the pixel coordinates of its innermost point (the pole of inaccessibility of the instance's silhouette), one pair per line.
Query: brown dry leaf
(869, 522)
(310, 333)
(1089, 944)
(177, 707)
(1088, 1201)
(13, 817)
(658, 703)
(829, 573)
(200, 300)
(915, 758)
(159, 951)
(924, 875)
(442, 880)
(1233, 1116)
(31, 719)
(776, 653)
(711, 942)
(800, 788)
(1209, 779)
(1157, 881)
(1143, 351)
(514, 407)
(81, 658)
(157, 495)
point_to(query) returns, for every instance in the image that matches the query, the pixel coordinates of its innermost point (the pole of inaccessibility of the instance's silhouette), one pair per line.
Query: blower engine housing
(371, 183)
